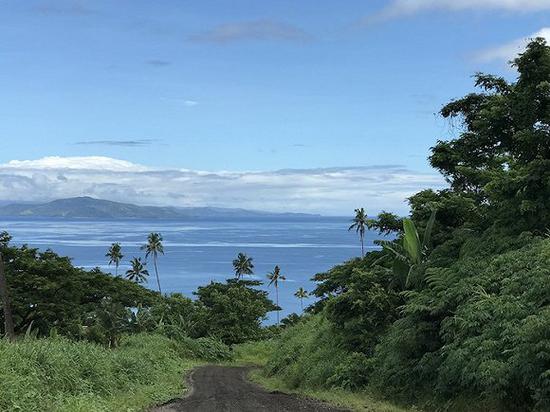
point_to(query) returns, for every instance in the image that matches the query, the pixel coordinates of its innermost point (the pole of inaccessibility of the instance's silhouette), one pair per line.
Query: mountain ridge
(89, 207)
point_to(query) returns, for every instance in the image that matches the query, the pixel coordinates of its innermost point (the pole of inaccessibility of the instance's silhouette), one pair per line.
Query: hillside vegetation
(455, 313)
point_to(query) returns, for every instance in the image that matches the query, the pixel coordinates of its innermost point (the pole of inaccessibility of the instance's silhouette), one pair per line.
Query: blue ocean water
(200, 251)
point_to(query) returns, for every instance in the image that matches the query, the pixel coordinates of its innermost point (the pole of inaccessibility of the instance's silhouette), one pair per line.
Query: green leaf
(411, 242)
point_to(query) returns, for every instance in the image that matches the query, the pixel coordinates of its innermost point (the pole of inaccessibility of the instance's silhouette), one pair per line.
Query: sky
(309, 106)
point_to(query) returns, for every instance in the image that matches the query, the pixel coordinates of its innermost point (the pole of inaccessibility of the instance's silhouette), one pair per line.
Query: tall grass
(254, 353)
(56, 374)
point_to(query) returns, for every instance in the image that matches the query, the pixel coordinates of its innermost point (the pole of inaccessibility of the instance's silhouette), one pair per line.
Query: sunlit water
(197, 252)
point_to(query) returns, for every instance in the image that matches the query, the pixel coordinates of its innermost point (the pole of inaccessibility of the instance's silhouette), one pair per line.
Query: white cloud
(76, 162)
(328, 191)
(407, 7)
(190, 103)
(508, 51)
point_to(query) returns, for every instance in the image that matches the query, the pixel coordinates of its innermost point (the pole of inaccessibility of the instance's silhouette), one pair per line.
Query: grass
(258, 353)
(56, 374)
(356, 401)
(252, 353)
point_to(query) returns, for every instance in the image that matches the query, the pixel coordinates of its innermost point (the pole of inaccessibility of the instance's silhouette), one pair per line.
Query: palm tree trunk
(277, 298)
(116, 270)
(6, 302)
(157, 272)
(362, 247)
(302, 304)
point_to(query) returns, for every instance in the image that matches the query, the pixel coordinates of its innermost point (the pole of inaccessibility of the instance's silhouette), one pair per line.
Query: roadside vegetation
(454, 314)
(57, 374)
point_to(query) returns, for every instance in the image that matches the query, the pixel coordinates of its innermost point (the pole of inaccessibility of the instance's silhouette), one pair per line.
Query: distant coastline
(91, 208)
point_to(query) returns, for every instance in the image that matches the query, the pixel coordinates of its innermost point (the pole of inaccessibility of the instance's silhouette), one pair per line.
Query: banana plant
(412, 250)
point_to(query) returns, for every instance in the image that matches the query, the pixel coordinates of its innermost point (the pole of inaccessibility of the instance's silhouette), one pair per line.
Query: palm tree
(137, 273)
(360, 224)
(274, 278)
(154, 247)
(243, 265)
(115, 256)
(301, 294)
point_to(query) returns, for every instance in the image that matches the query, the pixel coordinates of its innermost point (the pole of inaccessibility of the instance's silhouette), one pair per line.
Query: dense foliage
(63, 375)
(468, 327)
(51, 296)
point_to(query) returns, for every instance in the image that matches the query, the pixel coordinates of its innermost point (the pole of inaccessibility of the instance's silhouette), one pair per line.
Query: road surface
(217, 388)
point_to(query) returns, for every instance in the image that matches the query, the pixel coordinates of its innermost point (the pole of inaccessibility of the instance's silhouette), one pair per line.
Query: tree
(154, 247)
(232, 311)
(360, 224)
(243, 265)
(301, 294)
(48, 291)
(137, 273)
(386, 223)
(115, 256)
(274, 278)
(502, 157)
(4, 291)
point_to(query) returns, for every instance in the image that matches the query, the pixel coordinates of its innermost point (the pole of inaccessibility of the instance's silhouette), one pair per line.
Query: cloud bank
(333, 191)
(398, 8)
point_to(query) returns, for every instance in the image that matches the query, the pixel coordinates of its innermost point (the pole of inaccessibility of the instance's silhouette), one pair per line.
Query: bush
(307, 356)
(208, 349)
(57, 374)
(480, 327)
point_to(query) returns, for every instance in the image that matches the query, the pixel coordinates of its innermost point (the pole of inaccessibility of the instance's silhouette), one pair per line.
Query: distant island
(88, 207)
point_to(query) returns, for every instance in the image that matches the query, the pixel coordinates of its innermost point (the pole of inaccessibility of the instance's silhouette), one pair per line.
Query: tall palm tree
(274, 278)
(243, 265)
(154, 247)
(115, 256)
(4, 292)
(360, 224)
(137, 272)
(301, 294)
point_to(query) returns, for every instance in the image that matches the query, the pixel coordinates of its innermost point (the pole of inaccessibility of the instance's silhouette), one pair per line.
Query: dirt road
(216, 388)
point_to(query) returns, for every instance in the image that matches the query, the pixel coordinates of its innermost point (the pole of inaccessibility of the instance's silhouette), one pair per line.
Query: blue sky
(242, 88)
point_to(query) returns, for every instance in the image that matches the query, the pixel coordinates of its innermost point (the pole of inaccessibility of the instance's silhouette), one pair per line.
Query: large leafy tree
(233, 311)
(502, 157)
(153, 248)
(49, 292)
(242, 265)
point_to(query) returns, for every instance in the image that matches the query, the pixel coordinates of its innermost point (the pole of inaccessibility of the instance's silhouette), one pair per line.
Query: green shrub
(307, 355)
(480, 328)
(208, 349)
(57, 374)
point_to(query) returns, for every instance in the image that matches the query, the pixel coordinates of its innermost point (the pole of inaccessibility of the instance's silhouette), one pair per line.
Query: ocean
(200, 251)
